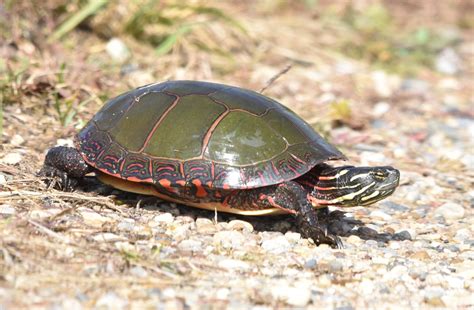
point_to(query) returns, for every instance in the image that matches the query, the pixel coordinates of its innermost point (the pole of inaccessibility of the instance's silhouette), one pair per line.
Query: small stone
(462, 235)
(335, 266)
(233, 264)
(293, 296)
(117, 49)
(276, 245)
(126, 225)
(138, 272)
(17, 140)
(415, 86)
(379, 214)
(240, 225)
(3, 179)
(433, 296)
(229, 239)
(448, 61)
(421, 255)
(353, 239)
(395, 273)
(190, 245)
(40, 214)
(292, 237)
(163, 218)
(451, 211)
(310, 263)
(110, 300)
(205, 226)
(402, 235)
(392, 207)
(7, 210)
(12, 159)
(90, 217)
(108, 237)
(380, 108)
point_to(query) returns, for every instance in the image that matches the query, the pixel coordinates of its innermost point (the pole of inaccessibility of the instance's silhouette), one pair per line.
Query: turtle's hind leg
(293, 198)
(66, 165)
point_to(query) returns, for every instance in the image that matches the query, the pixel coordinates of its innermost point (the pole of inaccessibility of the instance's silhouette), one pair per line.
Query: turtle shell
(187, 132)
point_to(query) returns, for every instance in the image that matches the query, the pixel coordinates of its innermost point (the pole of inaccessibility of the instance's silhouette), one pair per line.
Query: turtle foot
(58, 179)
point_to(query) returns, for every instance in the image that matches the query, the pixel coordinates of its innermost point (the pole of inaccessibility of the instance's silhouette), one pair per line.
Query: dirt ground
(389, 83)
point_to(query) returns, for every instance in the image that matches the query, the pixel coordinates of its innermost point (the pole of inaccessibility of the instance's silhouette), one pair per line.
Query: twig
(49, 232)
(275, 77)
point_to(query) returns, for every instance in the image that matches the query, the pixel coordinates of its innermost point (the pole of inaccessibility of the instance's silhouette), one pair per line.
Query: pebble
(110, 300)
(12, 159)
(108, 237)
(205, 226)
(138, 272)
(310, 263)
(117, 49)
(379, 214)
(40, 214)
(17, 140)
(463, 235)
(7, 210)
(233, 264)
(276, 245)
(353, 239)
(190, 245)
(451, 211)
(380, 108)
(90, 217)
(448, 61)
(293, 296)
(240, 225)
(229, 239)
(163, 218)
(335, 266)
(415, 86)
(392, 207)
(402, 235)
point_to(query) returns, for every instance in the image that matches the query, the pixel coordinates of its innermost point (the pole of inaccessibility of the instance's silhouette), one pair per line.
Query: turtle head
(350, 186)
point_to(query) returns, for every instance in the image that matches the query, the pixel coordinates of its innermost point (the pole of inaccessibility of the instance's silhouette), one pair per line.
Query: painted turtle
(218, 147)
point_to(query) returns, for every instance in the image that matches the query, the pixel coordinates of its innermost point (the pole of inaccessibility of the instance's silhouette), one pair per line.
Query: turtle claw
(55, 178)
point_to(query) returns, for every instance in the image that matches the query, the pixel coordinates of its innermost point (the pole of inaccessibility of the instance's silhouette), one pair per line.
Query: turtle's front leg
(66, 165)
(291, 197)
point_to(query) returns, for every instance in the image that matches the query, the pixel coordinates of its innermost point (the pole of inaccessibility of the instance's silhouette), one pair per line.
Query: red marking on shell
(165, 183)
(181, 182)
(298, 159)
(200, 191)
(225, 186)
(135, 179)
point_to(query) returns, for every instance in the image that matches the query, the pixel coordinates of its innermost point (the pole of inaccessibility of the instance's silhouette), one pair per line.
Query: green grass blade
(171, 40)
(92, 7)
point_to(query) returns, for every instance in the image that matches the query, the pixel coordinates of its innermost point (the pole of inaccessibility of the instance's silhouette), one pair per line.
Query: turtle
(222, 148)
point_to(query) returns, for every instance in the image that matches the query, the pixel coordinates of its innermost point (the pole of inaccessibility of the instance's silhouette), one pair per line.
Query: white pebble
(276, 245)
(462, 235)
(229, 239)
(110, 300)
(108, 237)
(451, 211)
(117, 49)
(240, 225)
(293, 296)
(17, 140)
(7, 210)
(12, 159)
(233, 264)
(159, 219)
(380, 215)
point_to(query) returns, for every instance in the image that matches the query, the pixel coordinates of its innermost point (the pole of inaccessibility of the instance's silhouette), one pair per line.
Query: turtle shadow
(336, 221)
